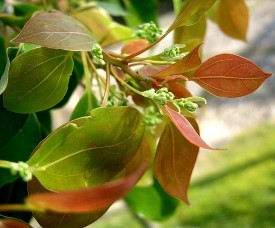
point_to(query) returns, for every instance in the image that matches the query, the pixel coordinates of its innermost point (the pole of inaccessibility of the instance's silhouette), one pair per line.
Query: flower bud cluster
(148, 31)
(97, 54)
(161, 97)
(22, 169)
(173, 53)
(151, 117)
(187, 105)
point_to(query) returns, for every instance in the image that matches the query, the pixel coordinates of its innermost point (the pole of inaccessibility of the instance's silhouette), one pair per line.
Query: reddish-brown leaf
(150, 70)
(134, 46)
(229, 75)
(188, 63)
(174, 161)
(170, 79)
(179, 90)
(185, 128)
(232, 18)
(57, 220)
(13, 223)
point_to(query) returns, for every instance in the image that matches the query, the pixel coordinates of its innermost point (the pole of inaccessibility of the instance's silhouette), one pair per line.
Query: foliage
(80, 169)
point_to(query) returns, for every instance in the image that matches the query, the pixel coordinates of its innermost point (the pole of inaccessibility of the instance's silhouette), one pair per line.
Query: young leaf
(174, 161)
(190, 13)
(185, 128)
(229, 75)
(57, 220)
(179, 90)
(38, 80)
(232, 18)
(188, 63)
(88, 151)
(90, 199)
(56, 30)
(134, 46)
(13, 223)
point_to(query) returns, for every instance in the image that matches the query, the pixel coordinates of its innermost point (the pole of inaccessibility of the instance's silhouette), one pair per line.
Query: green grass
(239, 191)
(234, 188)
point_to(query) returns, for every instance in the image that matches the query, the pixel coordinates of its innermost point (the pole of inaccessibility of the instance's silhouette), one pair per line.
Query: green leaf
(82, 107)
(174, 161)
(113, 7)
(38, 80)
(141, 11)
(2, 5)
(2, 55)
(20, 147)
(190, 13)
(151, 202)
(56, 30)
(11, 123)
(89, 150)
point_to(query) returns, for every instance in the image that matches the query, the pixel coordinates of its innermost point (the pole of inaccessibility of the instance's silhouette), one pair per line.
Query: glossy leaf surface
(229, 75)
(190, 13)
(38, 80)
(56, 30)
(233, 17)
(134, 46)
(174, 161)
(93, 199)
(188, 63)
(88, 151)
(185, 127)
(60, 220)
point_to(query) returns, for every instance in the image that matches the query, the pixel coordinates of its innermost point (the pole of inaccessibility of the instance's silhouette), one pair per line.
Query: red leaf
(13, 223)
(229, 75)
(134, 46)
(149, 70)
(96, 198)
(174, 161)
(169, 79)
(185, 128)
(188, 63)
(178, 90)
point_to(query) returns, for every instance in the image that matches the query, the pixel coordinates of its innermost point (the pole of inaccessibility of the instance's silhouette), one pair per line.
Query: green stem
(6, 164)
(87, 79)
(107, 86)
(124, 83)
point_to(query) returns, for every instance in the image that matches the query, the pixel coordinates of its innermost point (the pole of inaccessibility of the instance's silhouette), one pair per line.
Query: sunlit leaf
(174, 161)
(197, 31)
(56, 30)
(134, 46)
(88, 151)
(104, 29)
(232, 18)
(57, 220)
(186, 129)
(38, 80)
(13, 223)
(91, 199)
(188, 63)
(229, 75)
(190, 13)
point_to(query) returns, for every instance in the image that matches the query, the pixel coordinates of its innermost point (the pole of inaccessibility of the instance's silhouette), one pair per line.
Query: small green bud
(149, 31)
(97, 54)
(170, 96)
(190, 106)
(172, 53)
(22, 169)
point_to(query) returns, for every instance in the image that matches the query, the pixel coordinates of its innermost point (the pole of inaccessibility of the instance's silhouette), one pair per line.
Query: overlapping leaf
(88, 151)
(232, 18)
(134, 46)
(38, 80)
(188, 63)
(174, 161)
(13, 223)
(229, 75)
(56, 30)
(94, 199)
(186, 129)
(191, 12)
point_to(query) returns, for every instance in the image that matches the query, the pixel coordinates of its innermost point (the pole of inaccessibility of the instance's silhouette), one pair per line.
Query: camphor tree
(135, 117)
